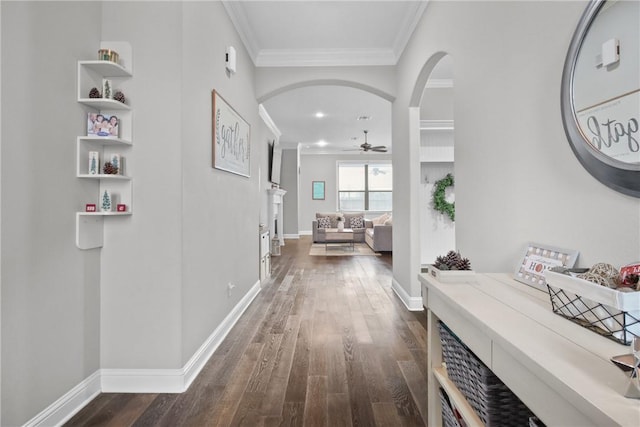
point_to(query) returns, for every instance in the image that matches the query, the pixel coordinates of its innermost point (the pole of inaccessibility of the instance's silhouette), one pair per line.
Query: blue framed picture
(317, 190)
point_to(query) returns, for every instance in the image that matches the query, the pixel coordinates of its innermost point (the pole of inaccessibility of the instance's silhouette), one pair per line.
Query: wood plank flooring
(325, 343)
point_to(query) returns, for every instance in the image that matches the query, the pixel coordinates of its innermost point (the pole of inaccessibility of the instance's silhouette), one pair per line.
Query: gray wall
(289, 183)
(195, 231)
(323, 168)
(157, 290)
(516, 177)
(50, 289)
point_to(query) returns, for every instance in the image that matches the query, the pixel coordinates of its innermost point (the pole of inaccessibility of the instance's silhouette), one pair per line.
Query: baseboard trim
(306, 233)
(292, 236)
(69, 404)
(141, 380)
(175, 380)
(412, 303)
(206, 350)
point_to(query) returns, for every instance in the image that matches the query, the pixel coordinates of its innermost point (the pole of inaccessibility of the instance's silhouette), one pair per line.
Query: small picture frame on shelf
(103, 125)
(537, 258)
(90, 207)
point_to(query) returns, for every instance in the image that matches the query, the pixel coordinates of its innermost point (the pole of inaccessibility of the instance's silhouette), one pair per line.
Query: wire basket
(608, 312)
(495, 404)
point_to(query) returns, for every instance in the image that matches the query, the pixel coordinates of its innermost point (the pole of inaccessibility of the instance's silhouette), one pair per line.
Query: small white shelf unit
(439, 143)
(90, 225)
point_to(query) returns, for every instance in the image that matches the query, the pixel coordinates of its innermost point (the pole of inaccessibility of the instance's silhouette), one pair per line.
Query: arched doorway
(336, 111)
(433, 103)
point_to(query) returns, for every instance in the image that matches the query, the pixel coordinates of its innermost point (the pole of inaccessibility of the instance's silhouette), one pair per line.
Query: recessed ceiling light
(322, 143)
(319, 114)
(364, 118)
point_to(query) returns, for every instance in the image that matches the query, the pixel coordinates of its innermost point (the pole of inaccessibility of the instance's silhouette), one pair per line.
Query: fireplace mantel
(276, 213)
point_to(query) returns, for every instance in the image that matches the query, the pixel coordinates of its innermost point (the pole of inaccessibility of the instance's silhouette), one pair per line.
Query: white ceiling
(326, 33)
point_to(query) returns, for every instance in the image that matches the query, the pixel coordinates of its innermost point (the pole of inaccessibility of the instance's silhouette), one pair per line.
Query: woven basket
(492, 400)
(448, 417)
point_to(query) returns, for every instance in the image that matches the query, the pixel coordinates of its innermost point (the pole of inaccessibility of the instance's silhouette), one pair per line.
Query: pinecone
(463, 264)
(452, 261)
(119, 96)
(440, 263)
(451, 258)
(109, 169)
(94, 93)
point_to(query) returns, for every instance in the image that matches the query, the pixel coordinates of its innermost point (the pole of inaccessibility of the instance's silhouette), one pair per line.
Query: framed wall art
(231, 138)
(317, 190)
(537, 258)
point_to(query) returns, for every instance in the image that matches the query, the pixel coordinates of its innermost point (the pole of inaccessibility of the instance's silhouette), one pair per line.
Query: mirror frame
(620, 176)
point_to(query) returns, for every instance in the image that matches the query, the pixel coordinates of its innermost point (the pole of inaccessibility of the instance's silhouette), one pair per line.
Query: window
(365, 186)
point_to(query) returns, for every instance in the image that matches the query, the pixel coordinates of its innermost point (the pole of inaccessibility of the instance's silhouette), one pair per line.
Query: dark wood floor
(325, 343)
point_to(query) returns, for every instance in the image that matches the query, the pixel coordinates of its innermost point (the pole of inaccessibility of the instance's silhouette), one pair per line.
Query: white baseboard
(175, 380)
(306, 233)
(292, 236)
(412, 303)
(141, 380)
(68, 405)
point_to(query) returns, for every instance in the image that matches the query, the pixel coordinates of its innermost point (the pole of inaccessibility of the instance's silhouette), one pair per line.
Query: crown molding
(239, 20)
(321, 57)
(264, 115)
(324, 57)
(410, 23)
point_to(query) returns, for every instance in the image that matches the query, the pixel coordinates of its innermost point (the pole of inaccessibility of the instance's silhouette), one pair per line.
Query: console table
(560, 370)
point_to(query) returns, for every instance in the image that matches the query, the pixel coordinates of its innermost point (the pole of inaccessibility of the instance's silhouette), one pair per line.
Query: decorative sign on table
(231, 138)
(538, 258)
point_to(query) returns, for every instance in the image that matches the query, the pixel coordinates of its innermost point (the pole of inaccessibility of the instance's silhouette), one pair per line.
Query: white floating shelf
(105, 140)
(104, 104)
(104, 213)
(107, 68)
(106, 176)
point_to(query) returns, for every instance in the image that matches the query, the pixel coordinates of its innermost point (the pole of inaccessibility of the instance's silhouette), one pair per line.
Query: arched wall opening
(311, 163)
(432, 130)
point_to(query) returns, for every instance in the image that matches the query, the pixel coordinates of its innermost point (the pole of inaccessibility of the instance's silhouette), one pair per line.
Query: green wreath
(439, 202)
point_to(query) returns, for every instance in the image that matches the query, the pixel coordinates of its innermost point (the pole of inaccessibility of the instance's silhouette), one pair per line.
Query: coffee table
(336, 236)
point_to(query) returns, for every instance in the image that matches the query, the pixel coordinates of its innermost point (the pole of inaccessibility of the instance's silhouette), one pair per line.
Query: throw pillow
(380, 219)
(357, 222)
(324, 222)
(389, 221)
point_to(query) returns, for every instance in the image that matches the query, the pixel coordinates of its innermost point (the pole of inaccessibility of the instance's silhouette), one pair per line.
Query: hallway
(325, 343)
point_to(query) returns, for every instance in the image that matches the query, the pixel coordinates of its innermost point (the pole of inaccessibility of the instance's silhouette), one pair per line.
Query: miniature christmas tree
(106, 201)
(107, 89)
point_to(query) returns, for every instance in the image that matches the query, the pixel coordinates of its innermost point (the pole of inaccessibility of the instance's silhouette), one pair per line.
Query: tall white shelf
(90, 225)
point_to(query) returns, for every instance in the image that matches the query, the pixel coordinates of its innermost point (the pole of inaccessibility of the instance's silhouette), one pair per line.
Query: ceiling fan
(368, 147)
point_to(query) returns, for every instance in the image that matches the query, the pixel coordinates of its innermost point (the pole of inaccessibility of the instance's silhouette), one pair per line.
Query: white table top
(567, 357)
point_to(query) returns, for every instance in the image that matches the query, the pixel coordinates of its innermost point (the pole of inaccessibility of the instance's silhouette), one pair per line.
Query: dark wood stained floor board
(325, 343)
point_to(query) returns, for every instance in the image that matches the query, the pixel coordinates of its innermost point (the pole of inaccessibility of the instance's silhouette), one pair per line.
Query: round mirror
(601, 93)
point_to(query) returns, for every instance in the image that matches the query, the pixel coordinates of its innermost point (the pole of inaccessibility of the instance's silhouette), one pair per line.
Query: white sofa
(379, 237)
